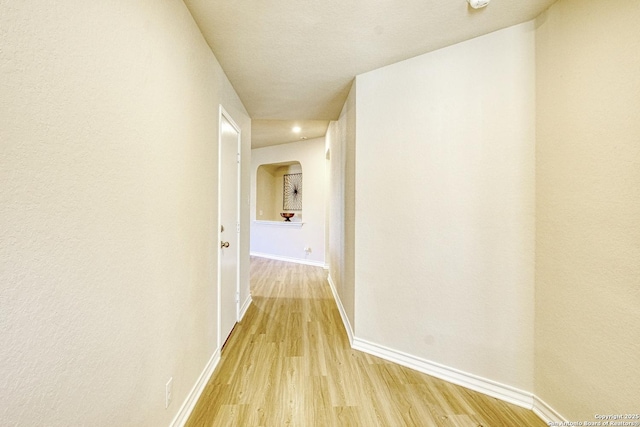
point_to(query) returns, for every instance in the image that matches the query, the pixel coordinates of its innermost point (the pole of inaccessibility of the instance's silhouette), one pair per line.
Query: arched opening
(279, 191)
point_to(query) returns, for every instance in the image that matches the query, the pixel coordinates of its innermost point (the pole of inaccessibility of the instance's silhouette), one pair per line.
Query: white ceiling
(292, 60)
(272, 132)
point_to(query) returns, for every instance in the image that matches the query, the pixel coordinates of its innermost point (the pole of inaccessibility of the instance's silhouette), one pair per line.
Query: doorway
(228, 225)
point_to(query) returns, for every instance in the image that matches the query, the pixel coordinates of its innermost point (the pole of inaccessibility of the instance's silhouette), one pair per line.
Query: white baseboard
(473, 382)
(467, 380)
(194, 395)
(192, 398)
(343, 314)
(245, 306)
(545, 412)
(288, 259)
(482, 385)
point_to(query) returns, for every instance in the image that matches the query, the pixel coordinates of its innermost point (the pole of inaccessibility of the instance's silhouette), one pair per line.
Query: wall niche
(279, 190)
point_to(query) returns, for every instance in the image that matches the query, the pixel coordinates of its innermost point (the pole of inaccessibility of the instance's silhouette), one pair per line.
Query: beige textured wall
(588, 208)
(347, 122)
(445, 206)
(335, 241)
(341, 143)
(108, 205)
(265, 187)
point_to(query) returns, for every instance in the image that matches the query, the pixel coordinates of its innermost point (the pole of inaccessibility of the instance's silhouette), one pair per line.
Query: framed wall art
(292, 192)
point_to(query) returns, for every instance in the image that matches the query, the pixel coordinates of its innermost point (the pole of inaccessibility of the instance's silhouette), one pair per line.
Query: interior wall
(341, 138)
(288, 242)
(347, 125)
(327, 197)
(265, 200)
(336, 206)
(108, 209)
(587, 210)
(444, 266)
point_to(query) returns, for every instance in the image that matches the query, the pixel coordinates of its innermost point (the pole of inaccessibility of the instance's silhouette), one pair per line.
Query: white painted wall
(265, 199)
(341, 140)
(108, 210)
(444, 167)
(588, 208)
(288, 242)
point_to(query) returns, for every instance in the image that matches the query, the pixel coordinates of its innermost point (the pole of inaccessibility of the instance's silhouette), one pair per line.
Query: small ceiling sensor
(296, 129)
(477, 4)
(303, 138)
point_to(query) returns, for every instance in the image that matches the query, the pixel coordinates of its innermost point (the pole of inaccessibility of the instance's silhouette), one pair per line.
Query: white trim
(545, 412)
(470, 381)
(194, 395)
(288, 259)
(292, 224)
(245, 307)
(343, 314)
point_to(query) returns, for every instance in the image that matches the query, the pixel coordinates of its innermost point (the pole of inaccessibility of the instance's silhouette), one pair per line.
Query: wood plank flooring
(289, 363)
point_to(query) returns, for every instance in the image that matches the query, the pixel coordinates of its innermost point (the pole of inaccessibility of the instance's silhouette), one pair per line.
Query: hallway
(289, 363)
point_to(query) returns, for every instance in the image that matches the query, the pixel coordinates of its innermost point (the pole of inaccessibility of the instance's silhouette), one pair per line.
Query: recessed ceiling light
(296, 129)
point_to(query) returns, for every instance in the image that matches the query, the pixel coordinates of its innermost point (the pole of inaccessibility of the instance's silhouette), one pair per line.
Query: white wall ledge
(280, 223)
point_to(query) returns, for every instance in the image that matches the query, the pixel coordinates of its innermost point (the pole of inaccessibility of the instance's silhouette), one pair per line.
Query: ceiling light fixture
(296, 129)
(477, 4)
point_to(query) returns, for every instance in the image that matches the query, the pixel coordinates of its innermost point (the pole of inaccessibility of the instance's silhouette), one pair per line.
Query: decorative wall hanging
(292, 192)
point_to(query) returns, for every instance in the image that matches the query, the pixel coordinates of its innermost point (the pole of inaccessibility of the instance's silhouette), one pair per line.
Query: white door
(228, 213)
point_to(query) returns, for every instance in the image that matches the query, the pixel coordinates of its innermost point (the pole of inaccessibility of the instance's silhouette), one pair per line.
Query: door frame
(223, 113)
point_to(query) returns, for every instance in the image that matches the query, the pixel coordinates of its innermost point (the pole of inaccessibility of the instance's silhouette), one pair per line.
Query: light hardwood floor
(289, 363)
